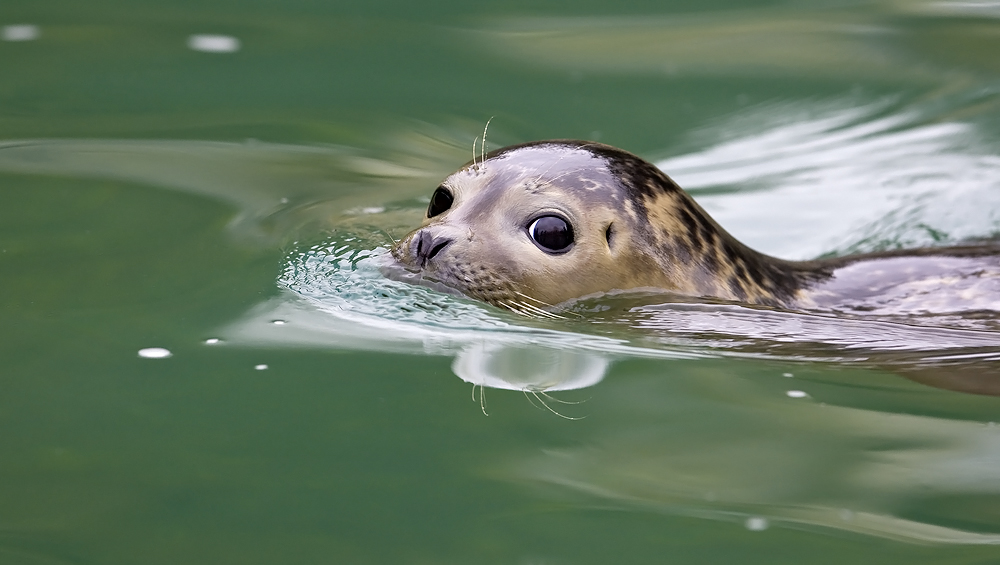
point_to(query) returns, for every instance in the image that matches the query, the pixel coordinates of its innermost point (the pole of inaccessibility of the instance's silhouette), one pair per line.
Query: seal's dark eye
(440, 201)
(551, 233)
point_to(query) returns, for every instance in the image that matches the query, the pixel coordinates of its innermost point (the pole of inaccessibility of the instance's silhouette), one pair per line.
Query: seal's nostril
(421, 245)
(426, 247)
(438, 246)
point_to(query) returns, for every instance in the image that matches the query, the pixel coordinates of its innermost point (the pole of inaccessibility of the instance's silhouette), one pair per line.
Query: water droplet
(155, 353)
(787, 375)
(796, 394)
(261, 367)
(212, 341)
(278, 322)
(756, 524)
(214, 43)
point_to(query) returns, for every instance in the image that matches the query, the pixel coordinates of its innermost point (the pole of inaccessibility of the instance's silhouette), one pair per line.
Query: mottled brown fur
(635, 229)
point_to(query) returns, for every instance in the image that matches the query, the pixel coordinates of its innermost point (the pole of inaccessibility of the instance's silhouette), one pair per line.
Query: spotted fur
(662, 239)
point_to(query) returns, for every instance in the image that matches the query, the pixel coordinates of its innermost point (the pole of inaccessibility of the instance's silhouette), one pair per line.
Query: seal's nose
(425, 246)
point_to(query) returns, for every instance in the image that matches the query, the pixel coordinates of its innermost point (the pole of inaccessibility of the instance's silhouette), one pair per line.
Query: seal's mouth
(394, 269)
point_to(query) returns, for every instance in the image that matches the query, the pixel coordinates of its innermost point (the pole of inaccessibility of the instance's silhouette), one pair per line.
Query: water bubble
(214, 43)
(155, 353)
(787, 375)
(212, 341)
(278, 322)
(756, 524)
(22, 32)
(261, 367)
(796, 394)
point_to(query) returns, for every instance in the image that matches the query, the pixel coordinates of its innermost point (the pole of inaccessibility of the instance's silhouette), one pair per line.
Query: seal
(535, 225)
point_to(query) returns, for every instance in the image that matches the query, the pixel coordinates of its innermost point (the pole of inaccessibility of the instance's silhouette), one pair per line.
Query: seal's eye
(440, 201)
(551, 233)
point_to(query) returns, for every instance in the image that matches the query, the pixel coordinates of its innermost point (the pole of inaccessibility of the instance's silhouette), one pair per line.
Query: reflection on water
(857, 178)
(20, 32)
(874, 39)
(988, 9)
(821, 156)
(170, 397)
(338, 298)
(671, 445)
(853, 177)
(528, 368)
(278, 189)
(214, 43)
(725, 447)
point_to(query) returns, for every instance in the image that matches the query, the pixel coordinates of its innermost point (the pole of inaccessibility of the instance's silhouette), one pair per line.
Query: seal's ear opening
(608, 234)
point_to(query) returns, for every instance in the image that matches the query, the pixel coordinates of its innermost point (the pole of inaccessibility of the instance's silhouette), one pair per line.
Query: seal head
(534, 225)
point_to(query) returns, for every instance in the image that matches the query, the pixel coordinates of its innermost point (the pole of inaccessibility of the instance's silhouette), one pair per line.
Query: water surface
(228, 197)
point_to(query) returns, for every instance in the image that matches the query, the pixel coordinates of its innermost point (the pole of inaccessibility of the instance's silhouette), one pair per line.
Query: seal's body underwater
(534, 225)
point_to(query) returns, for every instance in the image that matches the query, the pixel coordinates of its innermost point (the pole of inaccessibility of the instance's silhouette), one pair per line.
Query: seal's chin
(392, 269)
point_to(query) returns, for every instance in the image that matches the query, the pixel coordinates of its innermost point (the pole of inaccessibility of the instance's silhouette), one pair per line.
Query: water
(202, 362)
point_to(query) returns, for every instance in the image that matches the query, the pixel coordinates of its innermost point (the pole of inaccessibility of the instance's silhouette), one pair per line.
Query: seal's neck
(704, 260)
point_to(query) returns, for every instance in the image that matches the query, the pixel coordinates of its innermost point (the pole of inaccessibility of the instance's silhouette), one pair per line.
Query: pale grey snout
(425, 245)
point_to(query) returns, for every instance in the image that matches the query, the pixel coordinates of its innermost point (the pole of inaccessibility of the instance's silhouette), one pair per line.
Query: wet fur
(670, 242)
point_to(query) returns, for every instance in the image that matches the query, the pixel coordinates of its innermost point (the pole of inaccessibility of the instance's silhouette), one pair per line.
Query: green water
(153, 195)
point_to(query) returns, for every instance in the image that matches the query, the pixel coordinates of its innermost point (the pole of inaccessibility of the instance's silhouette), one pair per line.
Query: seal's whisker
(539, 312)
(556, 162)
(508, 307)
(514, 307)
(389, 235)
(533, 299)
(565, 173)
(560, 401)
(663, 242)
(520, 306)
(547, 169)
(482, 398)
(528, 310)
(549, 408)
(482, 151)
(525, 391)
